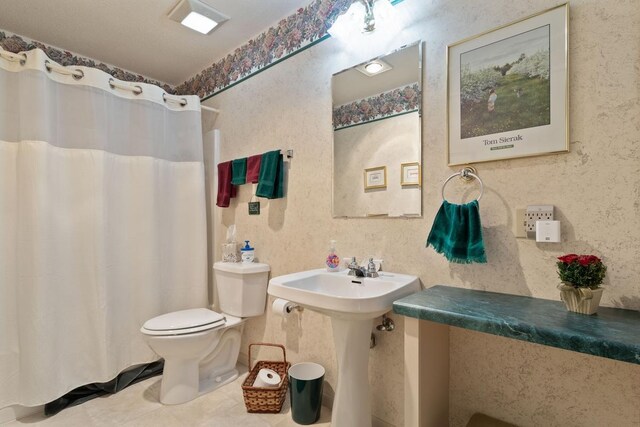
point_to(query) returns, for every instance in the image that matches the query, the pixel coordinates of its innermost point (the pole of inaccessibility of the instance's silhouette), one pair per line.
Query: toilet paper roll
(282, 307)
(267, 378)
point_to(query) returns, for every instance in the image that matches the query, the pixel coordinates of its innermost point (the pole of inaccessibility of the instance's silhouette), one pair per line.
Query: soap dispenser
(333, 260)
(248, 253)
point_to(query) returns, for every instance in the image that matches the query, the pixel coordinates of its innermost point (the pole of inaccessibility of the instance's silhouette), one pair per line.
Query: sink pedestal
(352, 402)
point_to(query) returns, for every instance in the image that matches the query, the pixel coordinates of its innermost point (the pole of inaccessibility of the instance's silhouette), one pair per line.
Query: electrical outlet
(537, 213)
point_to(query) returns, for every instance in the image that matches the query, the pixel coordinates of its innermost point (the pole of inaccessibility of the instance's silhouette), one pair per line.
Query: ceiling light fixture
(364, 16)
(197, 15)
(374, 67)
(369, 17)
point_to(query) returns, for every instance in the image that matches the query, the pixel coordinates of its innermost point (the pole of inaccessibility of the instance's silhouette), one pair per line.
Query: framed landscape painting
(507, 91)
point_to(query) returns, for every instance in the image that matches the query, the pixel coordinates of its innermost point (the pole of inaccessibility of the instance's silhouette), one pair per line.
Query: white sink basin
(340, 295)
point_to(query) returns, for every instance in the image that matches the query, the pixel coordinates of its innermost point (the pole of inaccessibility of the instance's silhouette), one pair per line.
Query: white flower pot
(580, 300)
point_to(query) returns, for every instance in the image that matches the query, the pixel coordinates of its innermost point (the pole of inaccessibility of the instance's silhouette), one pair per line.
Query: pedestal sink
(352, 303)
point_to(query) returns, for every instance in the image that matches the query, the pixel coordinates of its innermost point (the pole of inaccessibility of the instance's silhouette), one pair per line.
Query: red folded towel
(253, 168)
(225, 190)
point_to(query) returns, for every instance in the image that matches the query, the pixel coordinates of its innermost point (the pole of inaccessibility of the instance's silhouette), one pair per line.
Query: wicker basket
(266, 399)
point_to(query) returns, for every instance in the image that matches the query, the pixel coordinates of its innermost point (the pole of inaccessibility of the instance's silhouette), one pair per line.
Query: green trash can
(305, 388)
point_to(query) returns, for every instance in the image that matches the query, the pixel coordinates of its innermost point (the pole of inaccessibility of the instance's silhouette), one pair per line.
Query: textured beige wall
(534, 385)
(595, 188)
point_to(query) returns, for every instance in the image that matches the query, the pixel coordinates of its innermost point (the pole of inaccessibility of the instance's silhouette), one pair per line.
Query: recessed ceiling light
(374, 67)
(197, 15)
(198, 22)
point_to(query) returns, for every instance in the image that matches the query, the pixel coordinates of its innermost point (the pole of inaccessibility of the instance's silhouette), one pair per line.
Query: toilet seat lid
(184, 319)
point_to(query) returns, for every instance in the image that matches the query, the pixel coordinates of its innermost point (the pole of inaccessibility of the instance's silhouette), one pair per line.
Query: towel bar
(467, 173)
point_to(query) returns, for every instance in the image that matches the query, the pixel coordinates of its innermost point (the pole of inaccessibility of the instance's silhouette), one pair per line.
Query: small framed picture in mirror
(375, 178)
(410, 174)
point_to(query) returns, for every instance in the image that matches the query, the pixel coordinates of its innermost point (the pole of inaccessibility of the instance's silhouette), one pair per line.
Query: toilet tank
(242, 287)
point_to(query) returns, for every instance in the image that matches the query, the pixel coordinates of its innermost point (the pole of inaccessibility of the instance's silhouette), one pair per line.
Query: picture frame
(410, 174)
(508, 91)
(375, 178)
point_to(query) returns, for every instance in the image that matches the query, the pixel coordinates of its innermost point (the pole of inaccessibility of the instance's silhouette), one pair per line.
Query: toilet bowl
(199, 355)
(200, 347)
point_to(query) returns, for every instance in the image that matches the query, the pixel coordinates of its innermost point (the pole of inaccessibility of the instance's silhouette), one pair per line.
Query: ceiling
(137, 35)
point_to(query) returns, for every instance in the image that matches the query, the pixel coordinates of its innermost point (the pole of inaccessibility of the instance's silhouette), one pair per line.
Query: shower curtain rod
(78, 74)
(183, 102)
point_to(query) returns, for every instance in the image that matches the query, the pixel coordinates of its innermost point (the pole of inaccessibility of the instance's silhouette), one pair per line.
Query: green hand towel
(457, 233)
(239, 171)
(271, 178)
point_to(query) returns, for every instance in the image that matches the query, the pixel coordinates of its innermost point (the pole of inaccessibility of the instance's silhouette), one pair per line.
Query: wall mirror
(377, 144)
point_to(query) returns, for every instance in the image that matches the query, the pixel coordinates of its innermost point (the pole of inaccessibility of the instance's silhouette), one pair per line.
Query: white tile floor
(138, 406)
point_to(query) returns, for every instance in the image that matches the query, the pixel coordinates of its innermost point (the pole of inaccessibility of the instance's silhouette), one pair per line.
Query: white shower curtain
(102, 224)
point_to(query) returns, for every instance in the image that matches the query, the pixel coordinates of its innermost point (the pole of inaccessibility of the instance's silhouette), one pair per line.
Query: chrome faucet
(358, 271)
(371, 269)
(355, 269)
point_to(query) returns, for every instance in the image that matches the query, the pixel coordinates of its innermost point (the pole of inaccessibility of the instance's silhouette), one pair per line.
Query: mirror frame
(420, 45)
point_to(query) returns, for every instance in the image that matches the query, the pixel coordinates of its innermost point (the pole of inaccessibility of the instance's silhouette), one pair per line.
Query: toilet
(200, 347)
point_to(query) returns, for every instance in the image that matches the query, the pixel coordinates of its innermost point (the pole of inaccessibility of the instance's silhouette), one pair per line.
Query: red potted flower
(581, 277)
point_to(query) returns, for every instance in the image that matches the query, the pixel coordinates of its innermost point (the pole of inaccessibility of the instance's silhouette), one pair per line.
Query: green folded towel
(457, 233)
(271, 178)
(239, 171)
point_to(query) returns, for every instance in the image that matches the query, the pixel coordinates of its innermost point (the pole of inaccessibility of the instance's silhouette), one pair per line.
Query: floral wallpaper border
(15, 43)
(291, 35)
(394, 102)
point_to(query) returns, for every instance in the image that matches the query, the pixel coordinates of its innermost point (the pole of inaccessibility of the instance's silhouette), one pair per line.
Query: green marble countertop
(613, 333)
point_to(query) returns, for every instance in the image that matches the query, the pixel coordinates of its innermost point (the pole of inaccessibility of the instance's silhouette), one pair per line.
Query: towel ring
(466, 174)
